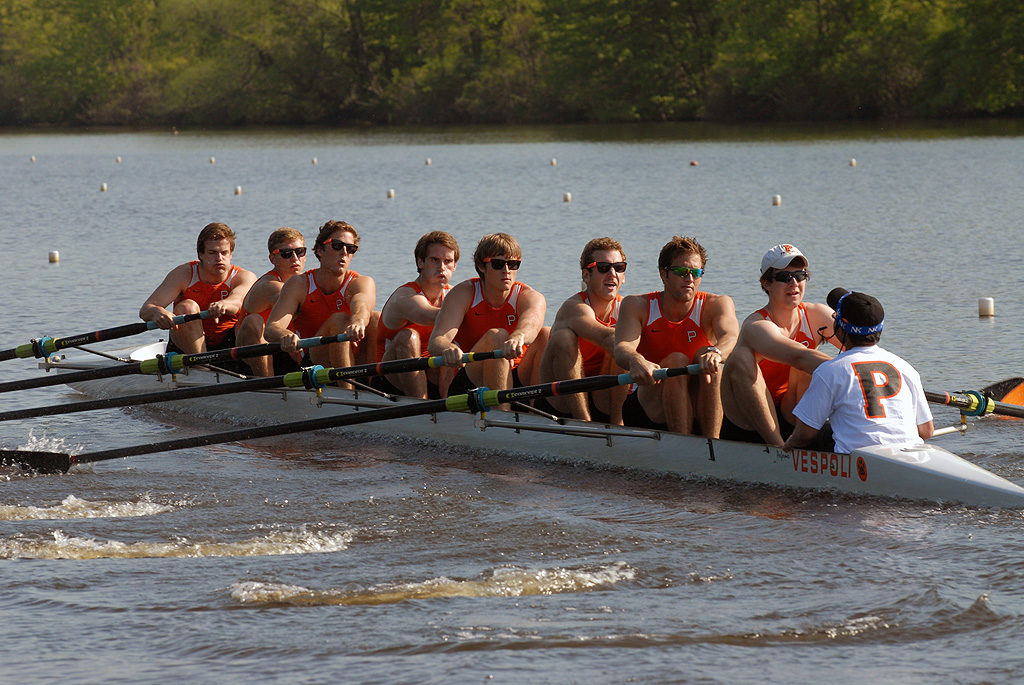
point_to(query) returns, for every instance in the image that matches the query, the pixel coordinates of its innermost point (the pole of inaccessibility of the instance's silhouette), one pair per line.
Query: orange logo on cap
(788, 248)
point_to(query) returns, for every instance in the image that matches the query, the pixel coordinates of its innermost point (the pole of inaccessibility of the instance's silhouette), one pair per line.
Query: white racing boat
(918, 471)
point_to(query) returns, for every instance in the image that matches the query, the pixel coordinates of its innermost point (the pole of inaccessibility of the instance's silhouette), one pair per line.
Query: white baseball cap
(780, 256)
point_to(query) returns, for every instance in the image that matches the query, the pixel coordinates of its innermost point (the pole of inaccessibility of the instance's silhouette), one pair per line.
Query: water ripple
(74, 508)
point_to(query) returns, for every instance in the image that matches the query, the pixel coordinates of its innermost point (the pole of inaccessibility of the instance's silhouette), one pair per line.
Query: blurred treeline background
(227, 62)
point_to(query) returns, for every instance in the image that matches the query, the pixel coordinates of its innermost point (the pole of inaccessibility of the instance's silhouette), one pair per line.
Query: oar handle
(974, 403)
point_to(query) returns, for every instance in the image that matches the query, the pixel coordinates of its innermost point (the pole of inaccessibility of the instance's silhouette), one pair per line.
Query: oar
(974, 403)
(170, 362)
(44, 347)
(307, 378)
(474, 401)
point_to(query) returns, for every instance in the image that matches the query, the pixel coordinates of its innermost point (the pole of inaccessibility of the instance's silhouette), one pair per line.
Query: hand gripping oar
(44, 347)
(473, 401)
(171, 362)
(310, 378)
(973, 403)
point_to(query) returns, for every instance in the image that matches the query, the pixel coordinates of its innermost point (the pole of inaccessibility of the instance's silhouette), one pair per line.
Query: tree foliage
(225, 62)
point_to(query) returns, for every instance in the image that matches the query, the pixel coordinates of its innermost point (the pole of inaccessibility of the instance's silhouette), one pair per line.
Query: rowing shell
(911, 471)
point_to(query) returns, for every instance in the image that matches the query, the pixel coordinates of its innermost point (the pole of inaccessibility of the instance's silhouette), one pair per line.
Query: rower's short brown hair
(214, 231)
(681, 246)
(597, 244)
(283, 235)
(327, 229)
(495, 245)
(434, 238)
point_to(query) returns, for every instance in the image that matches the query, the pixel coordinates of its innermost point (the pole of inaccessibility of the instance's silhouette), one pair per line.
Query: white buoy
(391, 193)
(986, 306)
(429, 161)
(776, 200)
(118, 159)
(853, 162)
(567, 197)
(315, 161)
(238, 190)
(54, 256)
(103, 187)
(213, 160)
(32, 159)
(554, 162)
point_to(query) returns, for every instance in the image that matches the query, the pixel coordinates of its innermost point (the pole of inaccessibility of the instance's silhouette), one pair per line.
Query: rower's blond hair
(495, 245)
(681, 246)
(596, 245)
(214, 231)
(283, 235)
(434, 238)
(327, 229)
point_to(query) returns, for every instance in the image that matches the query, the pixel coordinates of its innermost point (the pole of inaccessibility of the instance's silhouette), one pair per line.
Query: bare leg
(250, 332)
(404, 345)
(709, 404)
(668, 402)
(798, 382)
(610, 401)
(189, 337)
(745, 397)
(561, 361)
(529, 367)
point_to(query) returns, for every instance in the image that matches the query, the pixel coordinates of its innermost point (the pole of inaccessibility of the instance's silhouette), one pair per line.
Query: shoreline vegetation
(221, 63)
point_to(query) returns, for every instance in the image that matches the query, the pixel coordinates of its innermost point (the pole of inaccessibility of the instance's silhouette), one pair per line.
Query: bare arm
(726, 331)
(802, 435)
(233, 302)
(926, 430)
(449, 318)
(281, 315)
(819, 316)
(407, 305)
(767, 340)
(529, 320)
(155, 307)
(262, 295)
(363, 292)
(627, 338)
(579, 317)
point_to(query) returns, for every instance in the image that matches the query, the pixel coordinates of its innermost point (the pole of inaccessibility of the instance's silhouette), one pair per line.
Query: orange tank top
(593, 355)
(318, 306)
(204, 294)
(482, 317)
(776, 374)
(661, 337)
(385, 334)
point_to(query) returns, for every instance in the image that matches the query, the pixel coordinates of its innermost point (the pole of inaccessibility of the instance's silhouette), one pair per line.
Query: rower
(582, 337)
(407, 318)
(868, 394)
(210, 283)
(678, 326)
(287, 252)
(777, 351)
(492, 311)
(329, 300)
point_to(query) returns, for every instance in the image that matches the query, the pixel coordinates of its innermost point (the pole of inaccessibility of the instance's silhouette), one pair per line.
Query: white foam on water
(502, 582)
(75, 508)
(63, 546)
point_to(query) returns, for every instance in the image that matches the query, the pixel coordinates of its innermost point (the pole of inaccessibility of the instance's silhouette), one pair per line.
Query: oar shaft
(47, 346)
(70, 377)
(975, 403)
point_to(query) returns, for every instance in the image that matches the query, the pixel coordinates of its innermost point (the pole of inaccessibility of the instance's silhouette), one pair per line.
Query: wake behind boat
(912, 471)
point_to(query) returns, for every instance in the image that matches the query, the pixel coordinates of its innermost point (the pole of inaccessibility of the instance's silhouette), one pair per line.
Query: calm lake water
(390, 562)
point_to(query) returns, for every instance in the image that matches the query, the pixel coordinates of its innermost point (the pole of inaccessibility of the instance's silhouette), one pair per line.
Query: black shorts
(596, 415)
(461, 383)
(226, 344)
(633, 414)
(823, 441)
(384, 385)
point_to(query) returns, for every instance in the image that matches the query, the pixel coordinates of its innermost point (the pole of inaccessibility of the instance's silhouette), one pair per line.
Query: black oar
(474, 401)
(1010, 391)
(171, 362)
(974, 403)
(44, 347)
(308, 378)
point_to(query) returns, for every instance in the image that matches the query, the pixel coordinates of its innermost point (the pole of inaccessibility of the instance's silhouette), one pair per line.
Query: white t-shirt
(871, 396)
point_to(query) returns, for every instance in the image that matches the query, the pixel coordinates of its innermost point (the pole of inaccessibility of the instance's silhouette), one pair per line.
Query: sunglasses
(287, 252)
(789, 276)
(603, 267)
(499, 264)
(339, 245)
(683, 271)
